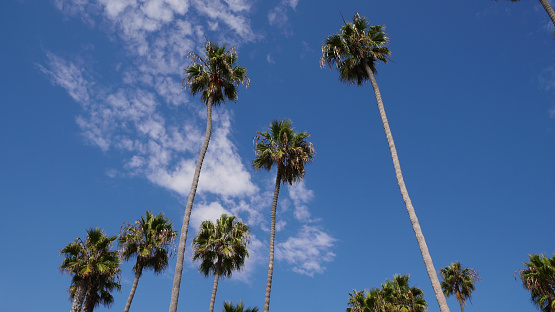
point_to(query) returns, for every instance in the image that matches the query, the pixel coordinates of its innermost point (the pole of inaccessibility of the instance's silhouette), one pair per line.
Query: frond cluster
(358, 45)
(459, 281)
(394, 295)
(221, 246)
(150, 240)
(283, 147)
(215, 76)
(539, 279)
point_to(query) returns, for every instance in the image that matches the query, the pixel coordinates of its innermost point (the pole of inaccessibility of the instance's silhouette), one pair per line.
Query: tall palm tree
(100, 290)
(539, 279)
(222, 249)
(289, 152)
(355, 52)
(229, 307)
(459, 282)
(547, 7)
(92, 265)
(216, 77)
(150, 241)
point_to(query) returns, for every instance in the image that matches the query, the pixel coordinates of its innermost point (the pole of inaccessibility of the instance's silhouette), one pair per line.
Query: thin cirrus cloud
(135, 115)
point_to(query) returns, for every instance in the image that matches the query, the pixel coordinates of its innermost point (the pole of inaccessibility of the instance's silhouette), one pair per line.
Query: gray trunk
(89, 302)
(79, 297)
(549, 10)
(134, 287)
(188, 207)
(272, 239)
(410, 209)
(214, 290)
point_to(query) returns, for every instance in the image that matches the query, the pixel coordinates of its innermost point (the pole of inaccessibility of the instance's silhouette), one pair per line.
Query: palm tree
(216, 77)
(229, 307)
(222, 249)
(539, 279)
(100, 290)
(149, 240)
(289, 151)
(547, 7)
(459, 281)
(355, 52)
(93, 266)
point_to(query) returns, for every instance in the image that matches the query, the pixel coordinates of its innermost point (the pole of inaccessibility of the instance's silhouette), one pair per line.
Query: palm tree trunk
(410, 209)
(272, 239)
(462, 305)
(188, 207)
(138, 271)
(549, 10)
(90, 301)
(214, 289)
(79, 297)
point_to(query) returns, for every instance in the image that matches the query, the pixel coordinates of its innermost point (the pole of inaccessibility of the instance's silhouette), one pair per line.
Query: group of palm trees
(355, 52)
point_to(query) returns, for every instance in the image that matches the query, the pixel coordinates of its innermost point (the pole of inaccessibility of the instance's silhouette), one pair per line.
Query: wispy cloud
(278, 15)
(308, 251)
(546, 81)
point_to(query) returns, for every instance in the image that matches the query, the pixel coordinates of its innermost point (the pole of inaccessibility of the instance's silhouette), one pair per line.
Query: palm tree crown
(215, 76)
(357, 45)
(459, 282)
(539, 279)
(285, 148)
(149, 240)
(229, 307)
(95, 269)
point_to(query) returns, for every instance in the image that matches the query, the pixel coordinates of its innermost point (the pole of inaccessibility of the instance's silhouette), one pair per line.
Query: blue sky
(95, 130)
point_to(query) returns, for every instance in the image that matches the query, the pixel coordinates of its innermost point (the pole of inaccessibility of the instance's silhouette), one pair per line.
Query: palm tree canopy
(229, 307)
(539, 279)
(92, 256)
(283, 147)
(215, 75)
(394, 296)
(358, 44)
(221, 246)
(150, 240)
(458, 281)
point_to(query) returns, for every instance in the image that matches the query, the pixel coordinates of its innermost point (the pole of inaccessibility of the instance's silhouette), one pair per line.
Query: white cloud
(69, 76)
(201, 212)
(278, 15)
(301, 196)
(308, 251)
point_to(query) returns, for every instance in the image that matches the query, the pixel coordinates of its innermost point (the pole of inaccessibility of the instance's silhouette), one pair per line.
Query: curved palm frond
(539, 279)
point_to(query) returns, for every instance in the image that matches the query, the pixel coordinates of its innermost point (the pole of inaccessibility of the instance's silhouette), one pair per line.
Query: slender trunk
(79, 297)
(91, 298)
(410, 209)
(187, 216)
(549, 10)
(461, 302)
(214, 289)
(138, 271)
(272, 239)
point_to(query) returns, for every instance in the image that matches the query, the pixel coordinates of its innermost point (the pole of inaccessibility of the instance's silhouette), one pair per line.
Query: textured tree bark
(410, 209)
(272, 240)
(89, 302)
(134, 287)
(549, 10)
(188, 207)
(79, 298)
(214, 290)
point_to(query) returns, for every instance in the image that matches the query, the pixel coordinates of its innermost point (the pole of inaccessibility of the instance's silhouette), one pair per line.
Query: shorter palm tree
(150, 241)
(539, 279)
(229, 307)
(94, 267)
(222, 249)
(289, 151)
(459, 281)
